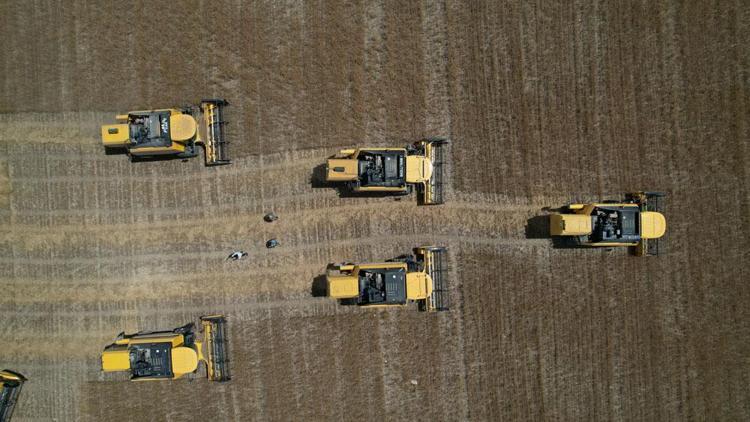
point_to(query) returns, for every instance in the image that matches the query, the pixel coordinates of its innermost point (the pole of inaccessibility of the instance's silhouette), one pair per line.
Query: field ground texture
(546, 103)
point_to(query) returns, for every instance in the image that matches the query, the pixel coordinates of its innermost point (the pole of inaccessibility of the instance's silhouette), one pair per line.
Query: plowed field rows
(546, 103)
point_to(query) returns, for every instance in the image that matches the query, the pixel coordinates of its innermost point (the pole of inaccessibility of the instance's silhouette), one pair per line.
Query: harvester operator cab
(386, 286)
(149, 129)
(382, 168)
(615, 224)
(151, 360)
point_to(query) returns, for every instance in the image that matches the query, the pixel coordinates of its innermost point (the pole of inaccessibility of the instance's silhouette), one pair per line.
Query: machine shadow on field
(319, 286)
(318, 177)
(537, 227)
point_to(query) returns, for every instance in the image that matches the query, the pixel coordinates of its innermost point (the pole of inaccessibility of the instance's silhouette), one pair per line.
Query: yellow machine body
(115, 135)
(418, 286)
(394, 283)
(170, 132)
(653, 225)
(342, 169)
(610, 224)
(343, 286)
(570, 224)
(392, 170)
(418, 169)
(170, 354)
(184, 360)
(346, 286)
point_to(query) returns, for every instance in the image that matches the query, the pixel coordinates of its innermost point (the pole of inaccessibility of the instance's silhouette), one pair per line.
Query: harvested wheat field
(546, 103)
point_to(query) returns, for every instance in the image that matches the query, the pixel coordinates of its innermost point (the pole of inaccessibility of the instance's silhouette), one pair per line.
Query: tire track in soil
(93, 328)
(161, 301)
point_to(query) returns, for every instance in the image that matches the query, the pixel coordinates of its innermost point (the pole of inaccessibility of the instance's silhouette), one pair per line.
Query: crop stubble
(546, 103)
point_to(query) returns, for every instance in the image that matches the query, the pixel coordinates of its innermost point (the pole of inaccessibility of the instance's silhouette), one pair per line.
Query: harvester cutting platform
(392, 170)
(417, 278)
(171, 132)
(10, 387)
(157, 355)
(636, 221)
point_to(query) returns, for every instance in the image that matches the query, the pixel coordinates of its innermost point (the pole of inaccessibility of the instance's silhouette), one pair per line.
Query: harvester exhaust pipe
(215, 143)
(217, 351)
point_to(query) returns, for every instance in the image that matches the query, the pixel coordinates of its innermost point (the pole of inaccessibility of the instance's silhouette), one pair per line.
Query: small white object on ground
(234, 256)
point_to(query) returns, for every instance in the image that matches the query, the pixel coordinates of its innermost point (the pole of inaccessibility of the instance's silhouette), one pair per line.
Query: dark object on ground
(270, 217)
(272, 243)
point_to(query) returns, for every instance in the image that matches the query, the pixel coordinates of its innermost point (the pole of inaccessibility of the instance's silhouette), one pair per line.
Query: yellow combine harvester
(636, 221)
(408, 278)
(392, 170)
(171, 132)
(10, 387)
(158, 355)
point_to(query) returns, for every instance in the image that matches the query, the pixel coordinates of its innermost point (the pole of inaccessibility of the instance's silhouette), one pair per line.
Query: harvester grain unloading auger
(173, 132)
(393, 171)
(172, 354)
(420, 278)
(10, 388)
